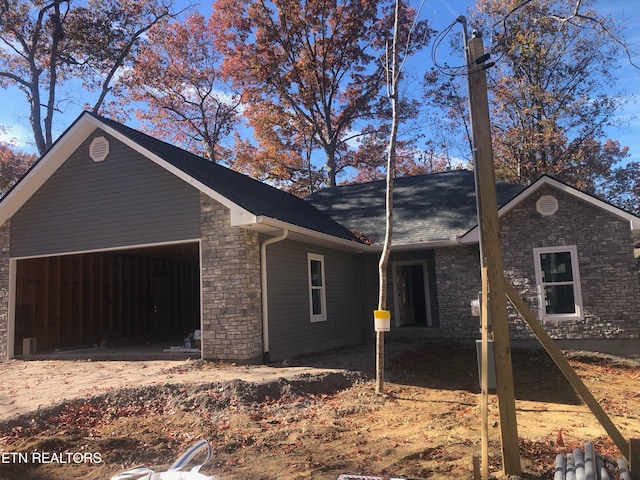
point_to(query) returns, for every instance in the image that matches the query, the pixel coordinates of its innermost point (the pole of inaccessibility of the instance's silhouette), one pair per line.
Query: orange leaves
(13, 164)
(309, 67)
(551, 94)
(178, 75)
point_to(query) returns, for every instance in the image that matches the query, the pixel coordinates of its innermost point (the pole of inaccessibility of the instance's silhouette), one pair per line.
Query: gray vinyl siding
(290, 330)
(124, 200)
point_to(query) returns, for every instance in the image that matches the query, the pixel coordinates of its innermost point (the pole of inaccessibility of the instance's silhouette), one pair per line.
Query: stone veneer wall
(610, 290)
(458, 283)
(4, 289)
(609, 281)
(231, 303)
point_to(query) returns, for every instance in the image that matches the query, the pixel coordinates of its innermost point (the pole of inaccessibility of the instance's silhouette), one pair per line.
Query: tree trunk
(331, 166)
(394, 77)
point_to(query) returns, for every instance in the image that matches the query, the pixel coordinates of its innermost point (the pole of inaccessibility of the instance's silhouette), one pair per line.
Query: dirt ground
(314, 418)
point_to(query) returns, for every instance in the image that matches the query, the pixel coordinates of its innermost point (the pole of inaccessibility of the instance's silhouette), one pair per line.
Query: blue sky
(14, 112)
(442, 12)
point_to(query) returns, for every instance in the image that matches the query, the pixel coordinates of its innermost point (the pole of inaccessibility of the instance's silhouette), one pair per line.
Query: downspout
(265, 297)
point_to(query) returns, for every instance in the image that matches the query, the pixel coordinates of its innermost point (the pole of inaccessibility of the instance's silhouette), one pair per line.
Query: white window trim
(322, 317)
(577, 290)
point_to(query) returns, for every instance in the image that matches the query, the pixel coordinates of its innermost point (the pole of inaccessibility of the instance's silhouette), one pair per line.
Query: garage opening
(139, 296)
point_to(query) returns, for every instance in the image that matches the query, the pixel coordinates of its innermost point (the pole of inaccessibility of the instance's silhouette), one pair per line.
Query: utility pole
(491, 252)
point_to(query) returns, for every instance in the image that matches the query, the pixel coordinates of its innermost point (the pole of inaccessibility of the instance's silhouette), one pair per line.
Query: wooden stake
(634, 458)
(476, 467)
(566, 369)
(484, 312)
(379, 362)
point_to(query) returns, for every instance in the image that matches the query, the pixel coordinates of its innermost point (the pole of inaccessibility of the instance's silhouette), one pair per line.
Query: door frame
(396, 292)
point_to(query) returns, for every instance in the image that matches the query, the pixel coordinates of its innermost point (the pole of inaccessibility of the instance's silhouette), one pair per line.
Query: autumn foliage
(44, 46)
(313, 66)
(552, 95)
(295, 92)
(13, 165)
(176, 75)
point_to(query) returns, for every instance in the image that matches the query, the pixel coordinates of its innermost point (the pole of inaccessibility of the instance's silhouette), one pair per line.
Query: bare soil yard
(313, 420)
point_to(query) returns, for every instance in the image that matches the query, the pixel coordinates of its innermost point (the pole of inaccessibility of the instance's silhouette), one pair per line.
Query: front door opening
(411, 295)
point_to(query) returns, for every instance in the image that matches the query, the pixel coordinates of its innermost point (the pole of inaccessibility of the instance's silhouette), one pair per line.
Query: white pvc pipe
(559, 473)
(579, 462)
(589, 462)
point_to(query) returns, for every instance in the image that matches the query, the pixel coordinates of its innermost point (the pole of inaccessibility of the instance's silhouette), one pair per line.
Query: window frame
(322, 316)
(575, 283)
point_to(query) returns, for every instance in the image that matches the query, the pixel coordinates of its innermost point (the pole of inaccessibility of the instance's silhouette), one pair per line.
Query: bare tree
(394, 61)
(45, 45)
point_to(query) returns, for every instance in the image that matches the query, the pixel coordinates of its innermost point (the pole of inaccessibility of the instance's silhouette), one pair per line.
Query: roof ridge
(400, 178)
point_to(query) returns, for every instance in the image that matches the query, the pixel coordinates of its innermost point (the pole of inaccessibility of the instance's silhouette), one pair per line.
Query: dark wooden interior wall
(77, 300)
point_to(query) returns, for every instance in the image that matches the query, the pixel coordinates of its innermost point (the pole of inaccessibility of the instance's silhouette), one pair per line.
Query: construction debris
(588, 465)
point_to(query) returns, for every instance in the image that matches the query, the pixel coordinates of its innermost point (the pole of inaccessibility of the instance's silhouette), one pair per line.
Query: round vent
(547, 205)
(99, 149)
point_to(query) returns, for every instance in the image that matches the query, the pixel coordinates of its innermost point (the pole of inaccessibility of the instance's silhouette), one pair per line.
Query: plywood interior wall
(77, 300)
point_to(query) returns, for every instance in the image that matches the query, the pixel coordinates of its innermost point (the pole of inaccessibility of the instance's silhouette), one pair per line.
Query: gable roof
(634, 222)
(434, 209)
(253, 204)
(427, 209)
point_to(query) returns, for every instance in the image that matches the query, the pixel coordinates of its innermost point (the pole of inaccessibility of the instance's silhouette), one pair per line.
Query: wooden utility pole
(496, 289)
(491, 249)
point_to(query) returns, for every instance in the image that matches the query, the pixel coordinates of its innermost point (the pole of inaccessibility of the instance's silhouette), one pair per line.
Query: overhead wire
(446, 69)
(463, 70)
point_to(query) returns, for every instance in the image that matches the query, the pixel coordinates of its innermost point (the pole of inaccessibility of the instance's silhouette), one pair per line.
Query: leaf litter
(426, 425)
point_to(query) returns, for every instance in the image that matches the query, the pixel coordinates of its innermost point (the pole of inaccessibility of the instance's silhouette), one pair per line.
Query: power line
(466, 69)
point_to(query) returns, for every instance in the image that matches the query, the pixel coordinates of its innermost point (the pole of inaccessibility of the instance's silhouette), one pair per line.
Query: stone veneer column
(459, 282)
(231, 304)
(4, 289)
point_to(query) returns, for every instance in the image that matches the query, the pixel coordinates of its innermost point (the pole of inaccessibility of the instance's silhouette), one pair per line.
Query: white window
(558, 281)
(317, 293)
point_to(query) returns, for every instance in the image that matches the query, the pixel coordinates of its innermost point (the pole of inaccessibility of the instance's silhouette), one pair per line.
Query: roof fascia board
(546, 180)
(473, 235)
(47, 166)
(350, 244)
(313, 235)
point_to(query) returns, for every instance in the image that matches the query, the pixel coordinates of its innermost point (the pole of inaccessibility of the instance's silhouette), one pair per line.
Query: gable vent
(99, 149)
(547, 205)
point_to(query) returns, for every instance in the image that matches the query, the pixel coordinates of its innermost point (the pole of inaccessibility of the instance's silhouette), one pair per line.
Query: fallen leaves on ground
(426, 425)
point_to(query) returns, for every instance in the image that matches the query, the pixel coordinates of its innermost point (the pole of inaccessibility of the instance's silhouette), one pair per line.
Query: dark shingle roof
(252, 195)
(426, 208)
